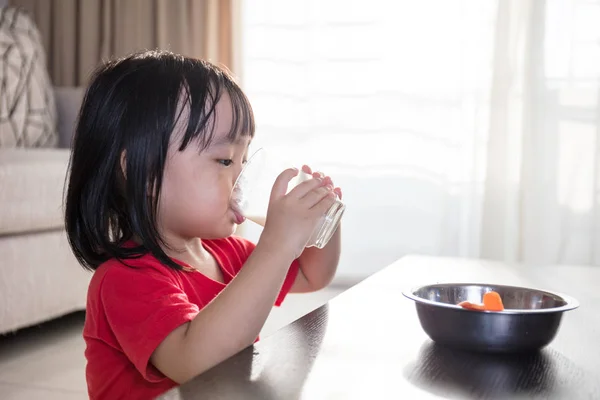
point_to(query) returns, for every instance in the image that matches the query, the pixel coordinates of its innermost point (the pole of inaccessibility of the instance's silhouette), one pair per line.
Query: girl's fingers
(324, 204)
(315, 196)
(325, 181)
(318, 175)
(305, 187)
(281, 183)
(338, 192)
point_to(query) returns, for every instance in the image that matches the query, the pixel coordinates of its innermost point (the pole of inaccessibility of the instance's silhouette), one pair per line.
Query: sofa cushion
(27, 105)
(68, 102)
(31, 189)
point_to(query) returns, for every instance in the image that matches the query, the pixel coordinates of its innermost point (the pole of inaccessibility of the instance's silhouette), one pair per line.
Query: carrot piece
(492, 302)
(471, 306)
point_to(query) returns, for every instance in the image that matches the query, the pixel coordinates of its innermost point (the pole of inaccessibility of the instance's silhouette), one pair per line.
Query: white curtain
(454, 127)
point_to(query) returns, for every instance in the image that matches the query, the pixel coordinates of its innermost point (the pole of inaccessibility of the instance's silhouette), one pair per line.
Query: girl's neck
(187, 250)
(190, 251)
(193, 253)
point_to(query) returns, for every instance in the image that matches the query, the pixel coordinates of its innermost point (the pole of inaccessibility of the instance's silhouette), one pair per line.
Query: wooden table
(367, 343)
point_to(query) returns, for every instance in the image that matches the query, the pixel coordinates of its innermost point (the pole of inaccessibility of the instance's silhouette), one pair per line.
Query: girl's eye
(226, 163)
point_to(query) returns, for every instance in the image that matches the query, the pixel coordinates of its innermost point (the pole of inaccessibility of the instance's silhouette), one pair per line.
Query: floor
(46, 361)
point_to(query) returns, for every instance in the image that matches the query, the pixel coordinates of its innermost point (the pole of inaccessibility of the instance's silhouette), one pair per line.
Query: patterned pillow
(27, 108)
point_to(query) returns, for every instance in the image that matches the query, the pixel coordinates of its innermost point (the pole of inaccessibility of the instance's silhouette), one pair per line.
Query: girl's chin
(224, 231)
(229, 230)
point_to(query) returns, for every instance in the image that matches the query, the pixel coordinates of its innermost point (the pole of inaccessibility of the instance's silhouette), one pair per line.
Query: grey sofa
(40, 278)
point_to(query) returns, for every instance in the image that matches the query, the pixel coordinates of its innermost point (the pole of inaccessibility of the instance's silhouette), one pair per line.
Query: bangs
(200, 95)
(243, 117)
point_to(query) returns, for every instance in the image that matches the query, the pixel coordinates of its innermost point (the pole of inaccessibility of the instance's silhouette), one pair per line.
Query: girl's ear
(124, 164)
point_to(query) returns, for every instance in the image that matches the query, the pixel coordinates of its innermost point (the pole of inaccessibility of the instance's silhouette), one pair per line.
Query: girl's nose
(237, 173)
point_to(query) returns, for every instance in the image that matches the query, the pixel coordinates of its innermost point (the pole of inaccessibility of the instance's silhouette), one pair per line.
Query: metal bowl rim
(571, 302)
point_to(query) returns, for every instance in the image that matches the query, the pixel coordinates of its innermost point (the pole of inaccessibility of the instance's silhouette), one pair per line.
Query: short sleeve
(246, 247)
(289, 281)
(142, 306)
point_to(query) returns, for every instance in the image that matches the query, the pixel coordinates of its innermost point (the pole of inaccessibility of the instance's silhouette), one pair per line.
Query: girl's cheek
(226, 191)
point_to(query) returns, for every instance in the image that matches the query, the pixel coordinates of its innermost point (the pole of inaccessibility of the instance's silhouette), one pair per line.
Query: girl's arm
(233, 320)
(318, 266)
(230, 323)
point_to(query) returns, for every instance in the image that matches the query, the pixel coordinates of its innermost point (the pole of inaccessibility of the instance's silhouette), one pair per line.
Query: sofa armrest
(68, 102)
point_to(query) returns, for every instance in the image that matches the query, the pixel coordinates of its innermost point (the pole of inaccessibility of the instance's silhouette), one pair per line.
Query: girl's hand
(326, 179)
(292, 217)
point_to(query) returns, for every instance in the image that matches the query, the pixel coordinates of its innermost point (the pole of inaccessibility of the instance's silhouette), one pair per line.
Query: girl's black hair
(131, 107)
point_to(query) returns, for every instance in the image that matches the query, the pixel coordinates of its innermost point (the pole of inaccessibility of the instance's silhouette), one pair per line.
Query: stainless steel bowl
(529, 322)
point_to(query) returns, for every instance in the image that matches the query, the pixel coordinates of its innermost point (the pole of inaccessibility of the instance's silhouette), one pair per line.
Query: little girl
(159, 143)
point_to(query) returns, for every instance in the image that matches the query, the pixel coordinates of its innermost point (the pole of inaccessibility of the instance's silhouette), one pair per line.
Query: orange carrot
(491, 302)
(471, 306)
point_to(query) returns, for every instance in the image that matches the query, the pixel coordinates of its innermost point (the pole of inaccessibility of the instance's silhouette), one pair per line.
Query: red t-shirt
(130, 311)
